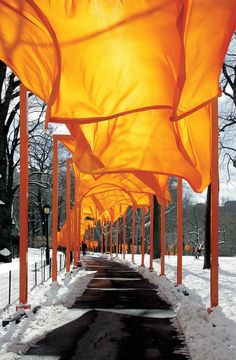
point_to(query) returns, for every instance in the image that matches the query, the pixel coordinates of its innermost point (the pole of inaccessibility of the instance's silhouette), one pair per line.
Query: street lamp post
(46, 210)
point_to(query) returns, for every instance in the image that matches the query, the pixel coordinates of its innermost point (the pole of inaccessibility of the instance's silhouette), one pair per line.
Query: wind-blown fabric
(207, 30)
(94, 60)
(138, 182)
(116, 71)
(114, 57)
(29, 47)
(143, 141)
(194, 131)
(114, 203)
(131, 184)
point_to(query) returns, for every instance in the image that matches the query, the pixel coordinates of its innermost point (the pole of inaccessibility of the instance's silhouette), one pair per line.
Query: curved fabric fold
(29, 47)
(208, 29)
(137, 142)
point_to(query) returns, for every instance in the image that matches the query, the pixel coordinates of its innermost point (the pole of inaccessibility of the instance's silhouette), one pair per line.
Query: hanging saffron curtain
(132, 182)
(142, 141)
(29, 47)
(97, 44)
(132, 62)
(207, 31)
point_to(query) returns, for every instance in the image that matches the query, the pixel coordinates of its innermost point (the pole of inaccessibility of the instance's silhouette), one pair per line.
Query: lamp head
(46, 209)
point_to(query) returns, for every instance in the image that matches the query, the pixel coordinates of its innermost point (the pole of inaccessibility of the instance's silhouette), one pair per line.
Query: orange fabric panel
(157, 184)
(127, 62)
(142, 141)
(84, 69)
(195, 134)
(29, 47)
(107, 199)
(208, 28)
(116, 56)
(114, 202)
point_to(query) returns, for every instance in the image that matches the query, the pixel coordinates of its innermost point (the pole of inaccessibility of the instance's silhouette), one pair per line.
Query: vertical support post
(143, 236)
(124, 236)
(23, 199)
(47, 251)
(179, 231)
(90, 236)
(111, 224)
(106, 236)
(68, 215)
(214, 205)
(77, 221)
(133, 231)
(44, 270)
(50, 268)
(54, 208)
(75, 234)
(79, 231)
(93, 230)
(35, 274)
(102, 234)
(117, 237)
(9, 295)
(151, 231)
(163, 238)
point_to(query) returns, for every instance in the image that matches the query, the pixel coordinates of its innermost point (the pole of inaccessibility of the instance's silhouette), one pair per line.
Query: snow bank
(55, 299)
(208, 336)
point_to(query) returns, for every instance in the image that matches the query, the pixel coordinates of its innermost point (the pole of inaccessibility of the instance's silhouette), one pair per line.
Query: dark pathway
(123, 319)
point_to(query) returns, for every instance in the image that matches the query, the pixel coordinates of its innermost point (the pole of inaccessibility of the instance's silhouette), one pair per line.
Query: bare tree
(227, 113)
(227, 122)
(9, 147)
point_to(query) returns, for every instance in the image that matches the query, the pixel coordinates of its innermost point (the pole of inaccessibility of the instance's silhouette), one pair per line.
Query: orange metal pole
(75, 240)
(179, 231)
(143, 236)
(124, 236)
(23, 199)
(151, 231)
(89, 232)
(93, 232)
(163, 238)
(133, 231)
(102, 233)
(54, 208)
(106, 237)
(214, 206)
(72, 232)
(111, 224)
(79, 231)
(68, 215)
(117, 237)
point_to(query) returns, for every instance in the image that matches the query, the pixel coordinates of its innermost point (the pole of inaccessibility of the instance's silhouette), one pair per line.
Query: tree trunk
(207, 242)
(6, 200)
(157, 229)
(6, 193)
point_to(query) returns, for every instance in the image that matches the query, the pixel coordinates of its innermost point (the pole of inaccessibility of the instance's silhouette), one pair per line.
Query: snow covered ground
(37, 273)
(209, 336)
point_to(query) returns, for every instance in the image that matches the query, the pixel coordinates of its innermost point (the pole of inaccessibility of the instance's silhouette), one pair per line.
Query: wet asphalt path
(123, 319)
